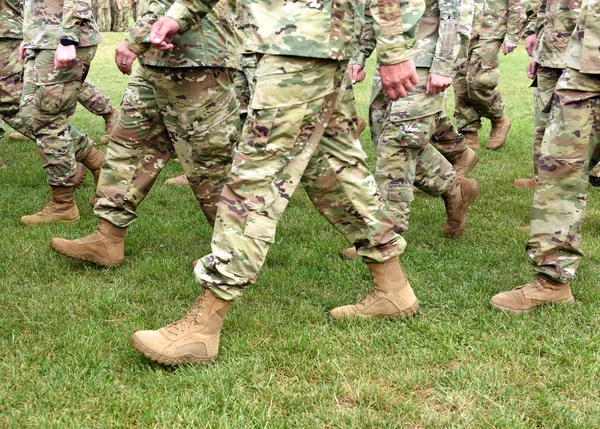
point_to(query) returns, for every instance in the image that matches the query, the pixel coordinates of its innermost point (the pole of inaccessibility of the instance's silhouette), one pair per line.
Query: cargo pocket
(260, 227)
(57, 90)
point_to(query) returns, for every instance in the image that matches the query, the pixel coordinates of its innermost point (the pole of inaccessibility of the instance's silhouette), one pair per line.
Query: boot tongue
(191, 318)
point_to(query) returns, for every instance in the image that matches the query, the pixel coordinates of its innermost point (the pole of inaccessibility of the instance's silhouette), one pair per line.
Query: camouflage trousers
(475, 85)
(11, 89)
(559, 203)
(244, 81)
(295, 133)
(190, 111)
(543, 95)
(48, 102)
(412, 126)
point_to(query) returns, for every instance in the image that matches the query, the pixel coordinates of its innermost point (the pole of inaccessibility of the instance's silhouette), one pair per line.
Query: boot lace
(372, 296)
(191, 318)
(92, 237)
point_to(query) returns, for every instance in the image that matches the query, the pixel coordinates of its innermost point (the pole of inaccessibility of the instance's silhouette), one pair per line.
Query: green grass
(65, 360)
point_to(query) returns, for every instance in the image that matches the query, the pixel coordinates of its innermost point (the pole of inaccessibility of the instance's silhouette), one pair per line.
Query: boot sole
(187, 359)
(508, 310)
(405, 314)
(470, 200)
(85, 256)
(48, 223)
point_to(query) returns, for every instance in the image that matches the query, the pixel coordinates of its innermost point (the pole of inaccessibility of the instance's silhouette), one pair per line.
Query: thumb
(159, 32)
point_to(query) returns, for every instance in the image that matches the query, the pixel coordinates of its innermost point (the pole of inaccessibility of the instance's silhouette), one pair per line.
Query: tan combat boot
(105, 246)
(93, 161)
(500, 129)
(18, 137)
(61, 208)
(541, 290)
(191, 340)
(525, 183)
(180, 180)
(110, 120)
(457, 200)
(349, 253)
(472, 139)
(2, 164)
(391, 297)
(465, 162)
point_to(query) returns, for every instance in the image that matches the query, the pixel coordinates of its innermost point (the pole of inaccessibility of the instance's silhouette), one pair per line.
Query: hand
(532, 69)
(530, 44)
(356, 73)
(436, 83)
(22, 51)
(398, 79)
(508, 47)
(124, 58)
(65, 57)
(163, 32)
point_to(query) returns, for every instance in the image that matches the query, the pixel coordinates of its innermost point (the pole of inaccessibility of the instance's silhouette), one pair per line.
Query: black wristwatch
(68, 42)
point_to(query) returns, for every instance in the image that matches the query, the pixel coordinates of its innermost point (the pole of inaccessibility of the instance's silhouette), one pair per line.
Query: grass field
(65, 360)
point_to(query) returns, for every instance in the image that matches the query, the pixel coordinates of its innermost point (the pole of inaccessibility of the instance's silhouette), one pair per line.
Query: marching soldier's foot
(349, 253)
(391, 297)
(499, 133)
(472, 139)
(524, 229)
(93, 161)
(18, 137)
(525, 183)
(105, 246)
(180, 180)
(2, 165)
(465, 162)
(110, 120)
(61, 208)
(457, 200)
(540, 291)
(191, 340)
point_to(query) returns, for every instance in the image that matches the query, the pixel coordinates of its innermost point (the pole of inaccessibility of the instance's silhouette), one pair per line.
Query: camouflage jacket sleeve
(540, 19)
(448, 43)
(531, 11)
(187, 13)
(367, 41)
(138, 38)
(74, 13)
(517, 21)
(395, 23)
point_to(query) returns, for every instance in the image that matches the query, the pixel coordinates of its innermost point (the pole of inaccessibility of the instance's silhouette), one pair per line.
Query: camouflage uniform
(555, 22)
(298, 132)
(413, 133)
(120, 18)
(93, 99)
(572, 136)
(104, 18)
(179, 101)
(11, 73)
(475, 83)
(50, 96)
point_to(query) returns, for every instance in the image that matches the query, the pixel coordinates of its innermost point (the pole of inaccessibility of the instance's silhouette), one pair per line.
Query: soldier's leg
(543, 95)
(340, 185)
(93, 99)
(467, 118)
(48, 101)
(105, 21)
(200, 110)
(559, 202)
(482, 80)
(560, 199)
(281, 133)
(139, 149)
